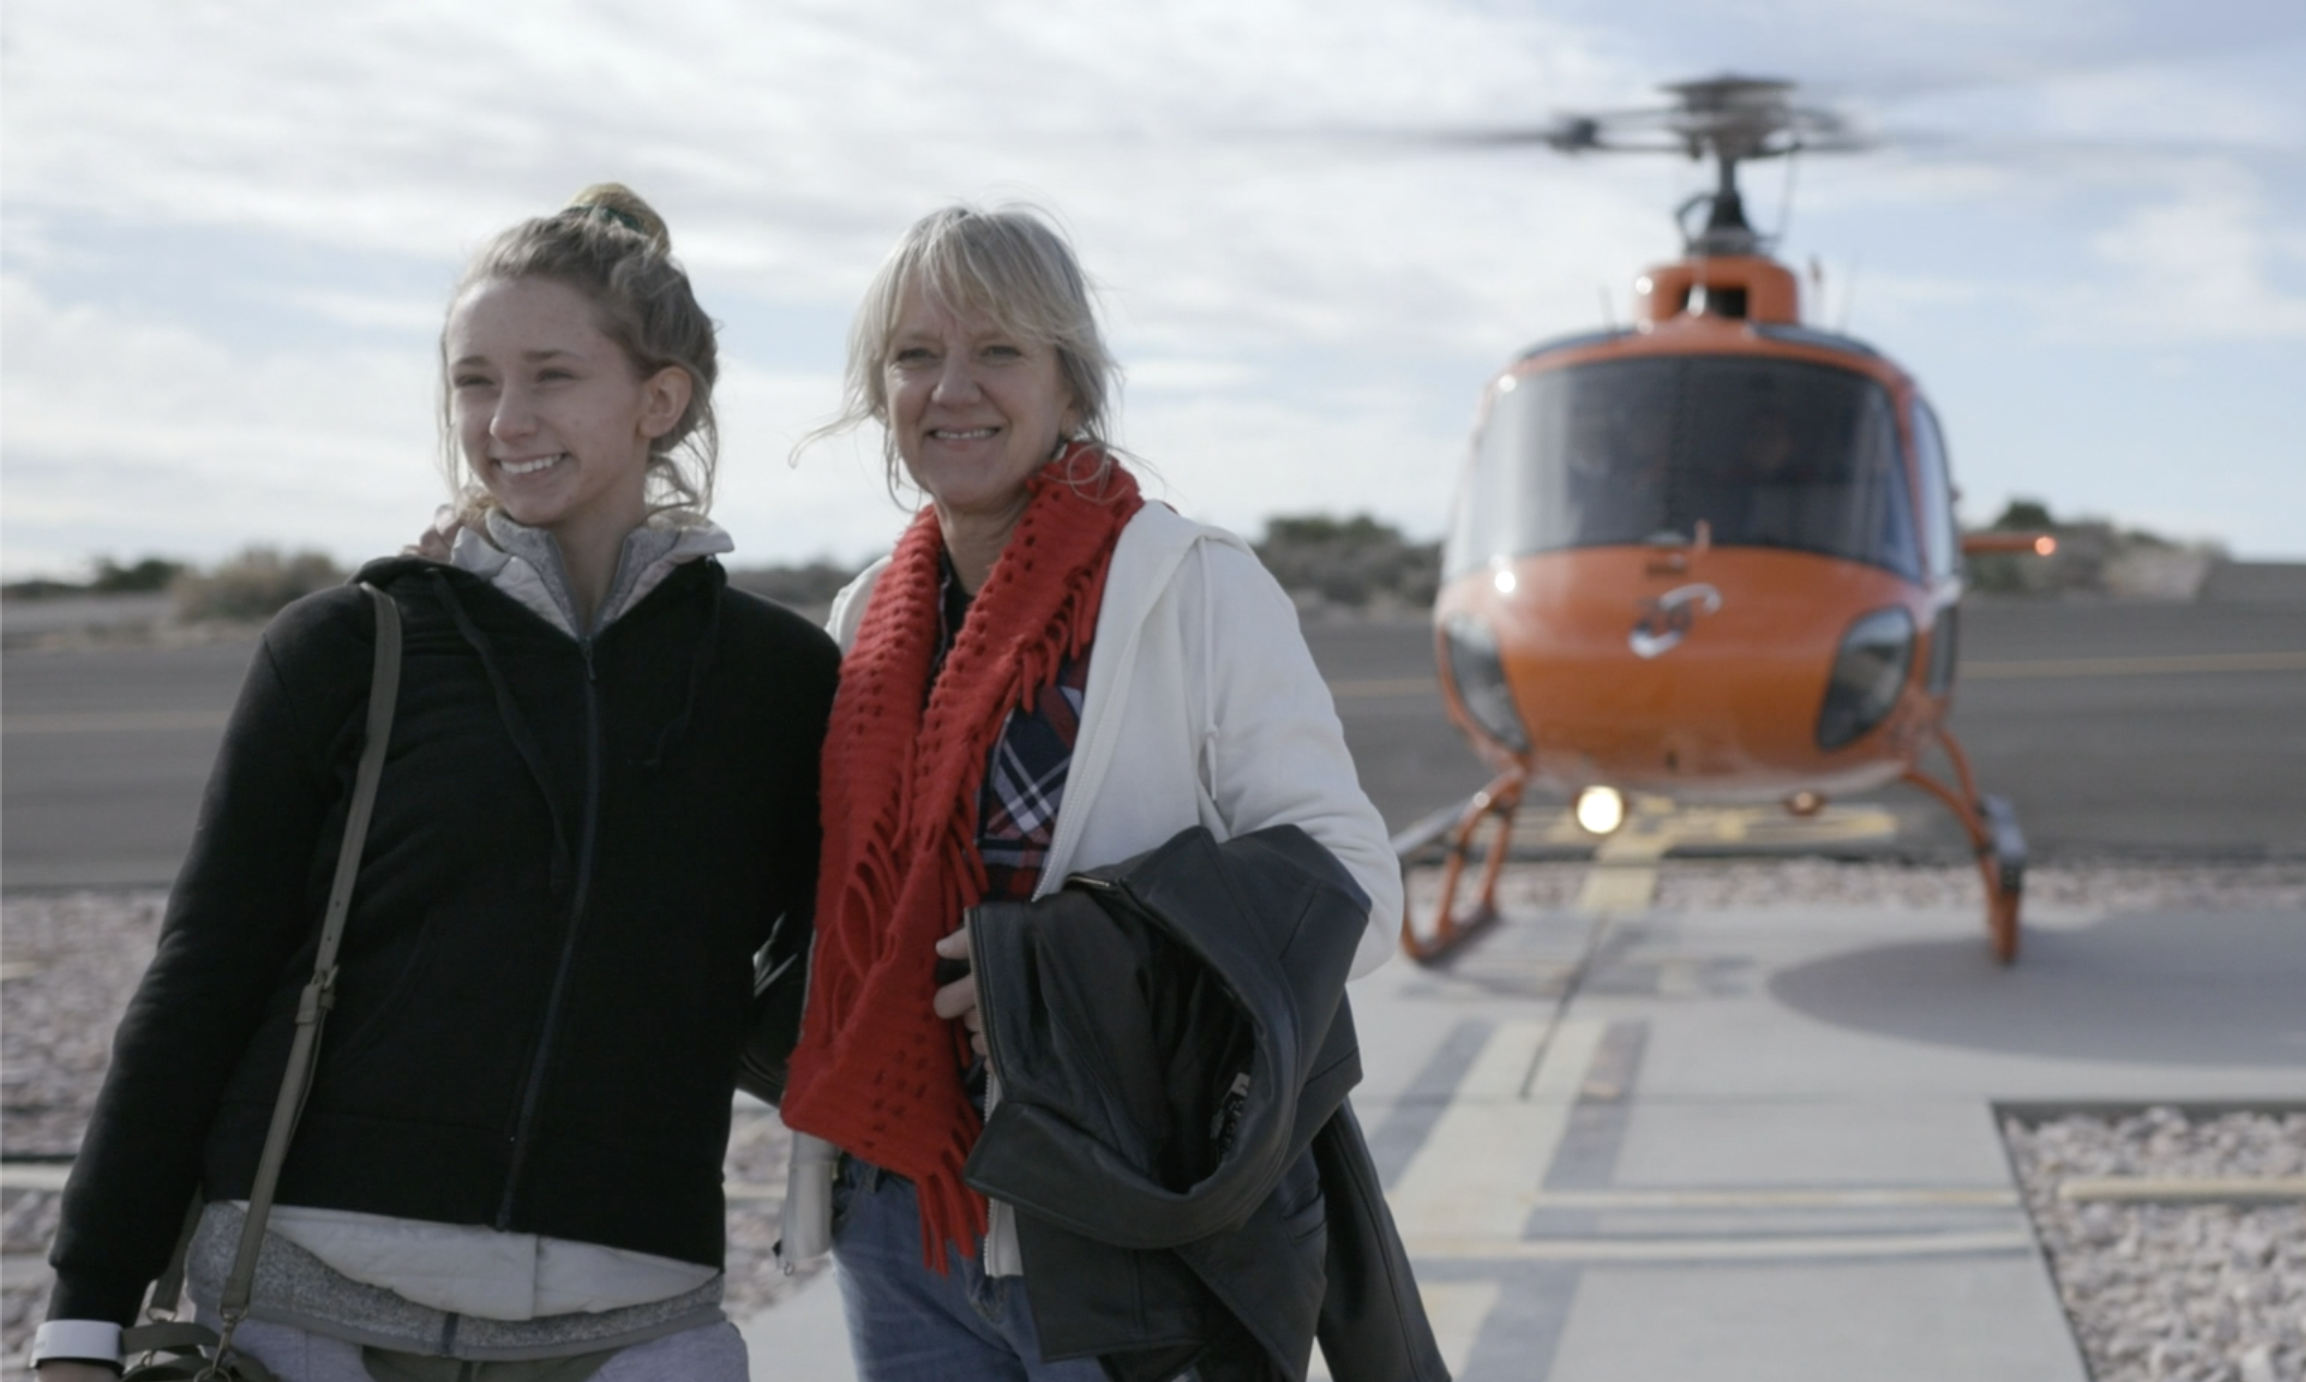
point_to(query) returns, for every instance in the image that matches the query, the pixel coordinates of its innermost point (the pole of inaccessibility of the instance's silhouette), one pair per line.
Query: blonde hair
(1007, 266)
(613, 248)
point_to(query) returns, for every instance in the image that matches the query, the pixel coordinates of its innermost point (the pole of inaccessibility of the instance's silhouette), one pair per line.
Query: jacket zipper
(533, 1094)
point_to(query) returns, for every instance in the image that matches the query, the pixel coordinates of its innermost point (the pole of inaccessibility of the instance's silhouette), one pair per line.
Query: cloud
(2211, 263)
(140, 428)
(271, 197)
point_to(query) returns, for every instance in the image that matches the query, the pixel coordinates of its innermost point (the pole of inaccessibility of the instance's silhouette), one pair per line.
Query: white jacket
(1203, 708)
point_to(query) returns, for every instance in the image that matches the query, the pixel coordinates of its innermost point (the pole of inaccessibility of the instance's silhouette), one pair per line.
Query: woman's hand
(959, 998)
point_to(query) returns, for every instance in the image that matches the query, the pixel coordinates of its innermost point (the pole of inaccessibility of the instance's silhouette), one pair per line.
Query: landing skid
(1991, 823)
(1452, 928)
(1994, 835)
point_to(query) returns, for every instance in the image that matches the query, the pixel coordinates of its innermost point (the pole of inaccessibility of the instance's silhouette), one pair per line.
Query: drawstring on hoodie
(523, 741)
(708, 644)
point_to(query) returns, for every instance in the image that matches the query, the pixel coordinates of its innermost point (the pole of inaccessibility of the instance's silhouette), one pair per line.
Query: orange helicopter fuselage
(1696, 662)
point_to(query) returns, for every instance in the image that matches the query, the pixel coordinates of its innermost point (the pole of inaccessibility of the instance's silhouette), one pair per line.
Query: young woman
(599, 796)
(1048, 674)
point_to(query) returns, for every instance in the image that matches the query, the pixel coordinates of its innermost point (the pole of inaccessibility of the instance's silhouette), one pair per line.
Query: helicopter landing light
(1600, 810)
(1504, 582)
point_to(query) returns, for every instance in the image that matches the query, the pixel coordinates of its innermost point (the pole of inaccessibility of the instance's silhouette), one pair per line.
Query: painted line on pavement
(1913, 1197)
(2136, 666)
(112, 721)
(34, 1175)
(1372, 688)
(1624, 873)
(1455, 1309)
(1491, 1147)
(2184, 1189)
(1740, 1249)
(1487, 1152)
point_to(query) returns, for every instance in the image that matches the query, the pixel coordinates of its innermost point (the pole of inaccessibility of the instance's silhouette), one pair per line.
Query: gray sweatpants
(708, 1353)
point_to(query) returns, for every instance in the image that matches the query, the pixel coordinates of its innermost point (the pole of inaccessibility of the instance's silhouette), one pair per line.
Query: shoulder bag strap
(319, 991)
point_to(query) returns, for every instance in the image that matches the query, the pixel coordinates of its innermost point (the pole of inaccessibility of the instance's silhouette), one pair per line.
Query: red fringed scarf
(877, 1072)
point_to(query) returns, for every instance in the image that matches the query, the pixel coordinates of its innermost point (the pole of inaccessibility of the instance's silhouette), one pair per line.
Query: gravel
(2176, 1292)
(1701, 885)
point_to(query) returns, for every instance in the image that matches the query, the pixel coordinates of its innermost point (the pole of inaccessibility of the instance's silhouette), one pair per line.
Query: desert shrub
(1349, 561)
(2093, 556)
(152, 573)
(253, 585)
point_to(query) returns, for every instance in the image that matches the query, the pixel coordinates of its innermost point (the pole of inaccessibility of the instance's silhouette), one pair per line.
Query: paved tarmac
(2115, 728)
(1625, 1143)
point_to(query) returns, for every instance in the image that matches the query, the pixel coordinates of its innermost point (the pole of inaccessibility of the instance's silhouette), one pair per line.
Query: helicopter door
(1769, 453)
(1940, 551)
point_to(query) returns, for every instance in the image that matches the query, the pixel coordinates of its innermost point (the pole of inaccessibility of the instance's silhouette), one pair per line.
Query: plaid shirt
(1025, 782)
(1025, 773)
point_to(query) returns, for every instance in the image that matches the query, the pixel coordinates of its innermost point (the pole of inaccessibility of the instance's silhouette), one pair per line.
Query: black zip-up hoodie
(577, 846)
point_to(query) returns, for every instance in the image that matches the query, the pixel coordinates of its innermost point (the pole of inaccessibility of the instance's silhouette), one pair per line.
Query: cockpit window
(1768, 453)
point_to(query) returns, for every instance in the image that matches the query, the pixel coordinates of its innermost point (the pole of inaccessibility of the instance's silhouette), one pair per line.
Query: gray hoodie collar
(526, 564)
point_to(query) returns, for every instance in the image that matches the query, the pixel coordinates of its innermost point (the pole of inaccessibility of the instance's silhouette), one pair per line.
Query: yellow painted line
(1897, 1197)
(1489, 1149)
(2183, 1189)
(1774, 1247)
(1624, 873)
(1374, 687)
(113, 721)
(2136, 666)
(1762, 825)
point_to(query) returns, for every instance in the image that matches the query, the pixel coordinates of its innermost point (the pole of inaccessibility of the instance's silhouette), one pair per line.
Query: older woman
(1049, 673)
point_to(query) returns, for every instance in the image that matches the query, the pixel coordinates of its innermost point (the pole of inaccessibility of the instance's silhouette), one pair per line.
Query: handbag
(185, 1350)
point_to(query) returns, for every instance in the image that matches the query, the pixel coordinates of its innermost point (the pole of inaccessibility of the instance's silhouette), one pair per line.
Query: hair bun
(619, 203)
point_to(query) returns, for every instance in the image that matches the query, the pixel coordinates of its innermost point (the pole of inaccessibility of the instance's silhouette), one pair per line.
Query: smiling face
(975, 409)
(551, 415)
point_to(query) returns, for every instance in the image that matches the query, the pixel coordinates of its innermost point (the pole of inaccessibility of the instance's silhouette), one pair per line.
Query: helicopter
(1712, 555)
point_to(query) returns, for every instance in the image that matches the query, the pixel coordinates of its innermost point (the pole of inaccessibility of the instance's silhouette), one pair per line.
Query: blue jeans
(907, 1322)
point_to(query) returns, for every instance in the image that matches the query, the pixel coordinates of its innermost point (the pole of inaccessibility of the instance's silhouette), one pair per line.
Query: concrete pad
(803, 1338)
(1782, 1161)
(1980, 1320)
(1812, 1143)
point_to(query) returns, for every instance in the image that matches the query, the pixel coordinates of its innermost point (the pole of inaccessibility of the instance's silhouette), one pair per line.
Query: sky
(228, 231)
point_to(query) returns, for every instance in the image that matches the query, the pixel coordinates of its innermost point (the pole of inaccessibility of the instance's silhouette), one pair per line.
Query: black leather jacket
(1191, 1187)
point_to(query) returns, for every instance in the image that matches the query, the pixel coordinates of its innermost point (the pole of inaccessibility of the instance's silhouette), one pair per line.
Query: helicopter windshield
(1769, 453)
